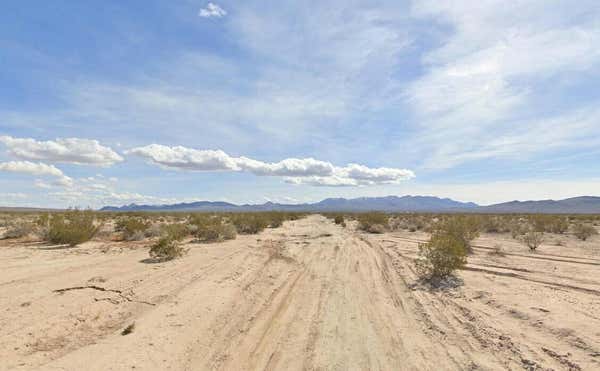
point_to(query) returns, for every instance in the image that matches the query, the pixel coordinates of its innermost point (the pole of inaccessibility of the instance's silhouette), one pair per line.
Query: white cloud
(27, 167)
(37, 169)
(183, 158)
(212, 10)
(68, 150)
(299, 171)
(287, 167)
(495, 74)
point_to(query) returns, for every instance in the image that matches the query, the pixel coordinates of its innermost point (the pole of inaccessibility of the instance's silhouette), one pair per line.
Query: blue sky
(116, 102)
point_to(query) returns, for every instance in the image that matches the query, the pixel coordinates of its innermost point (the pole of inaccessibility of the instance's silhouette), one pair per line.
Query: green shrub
(209, 228)
(462, 227)
(339, 219)
(275, 220)
(43, 220)
(441, 256)
(584, 231)
(132, 228)
(72, 228)
(448, 247)
(166, 248)
(549, 223)
(249, 223)
(373, 222)
(176, 231)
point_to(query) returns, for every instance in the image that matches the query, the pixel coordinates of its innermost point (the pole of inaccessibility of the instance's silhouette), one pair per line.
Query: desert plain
(308, 295)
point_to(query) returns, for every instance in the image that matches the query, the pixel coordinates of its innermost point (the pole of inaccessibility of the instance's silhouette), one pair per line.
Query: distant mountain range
(577, 205)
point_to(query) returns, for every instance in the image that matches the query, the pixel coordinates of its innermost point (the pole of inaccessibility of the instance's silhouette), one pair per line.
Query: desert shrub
(533, 239)
(72, 228)
(441, 256)
(275, 220)
(154, 230)
(20, 229)
(373, 222)
(249, 223)
(516, 228)
(43, 220)
(209, 228)
(166, 248)
(176, 231)
(493, 224)
(462, 227)
(228, 231)
(132, 228)
(559, 225)
(339, 219)
(549, 223)
(584, 231)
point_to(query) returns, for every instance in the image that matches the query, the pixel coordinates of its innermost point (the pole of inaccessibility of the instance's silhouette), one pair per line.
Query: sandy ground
(308, 296)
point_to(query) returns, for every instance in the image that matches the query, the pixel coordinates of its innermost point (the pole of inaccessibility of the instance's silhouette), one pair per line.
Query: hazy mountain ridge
(584, 205)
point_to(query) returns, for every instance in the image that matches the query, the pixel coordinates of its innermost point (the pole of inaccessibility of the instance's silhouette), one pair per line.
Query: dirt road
(308, 296)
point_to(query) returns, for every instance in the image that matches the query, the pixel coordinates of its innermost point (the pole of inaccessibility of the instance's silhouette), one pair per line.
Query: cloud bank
(307, 171)
(68, 150)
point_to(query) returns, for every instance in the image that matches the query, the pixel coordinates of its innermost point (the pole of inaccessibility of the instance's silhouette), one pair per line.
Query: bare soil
(310, 295)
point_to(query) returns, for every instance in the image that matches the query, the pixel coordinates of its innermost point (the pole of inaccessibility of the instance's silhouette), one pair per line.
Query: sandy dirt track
(308, 296)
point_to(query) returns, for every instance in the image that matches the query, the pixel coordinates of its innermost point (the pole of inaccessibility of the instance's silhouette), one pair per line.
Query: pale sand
(308, 296)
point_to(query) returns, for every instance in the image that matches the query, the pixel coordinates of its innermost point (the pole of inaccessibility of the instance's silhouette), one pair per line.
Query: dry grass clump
(71, 228)
(373, 222)
(584, 231)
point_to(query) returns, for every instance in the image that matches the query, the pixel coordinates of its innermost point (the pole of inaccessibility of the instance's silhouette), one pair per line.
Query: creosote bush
(249, 223)
(448, 247)
(169, 246)
(463, 228)
(166, 248)
(441, 256)
(533, 239)
(72, 227)
(132, 228)
(210, 228)
(373, 222)
(584, 231)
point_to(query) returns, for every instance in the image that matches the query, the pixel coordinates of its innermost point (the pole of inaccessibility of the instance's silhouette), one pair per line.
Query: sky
(118, 102)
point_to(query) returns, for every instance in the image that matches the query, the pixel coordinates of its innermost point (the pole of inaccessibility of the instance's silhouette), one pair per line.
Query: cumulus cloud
(33, 168)
(68, 150)
(212, 10)
(185, 158)
(37, 169)
(296, 170)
